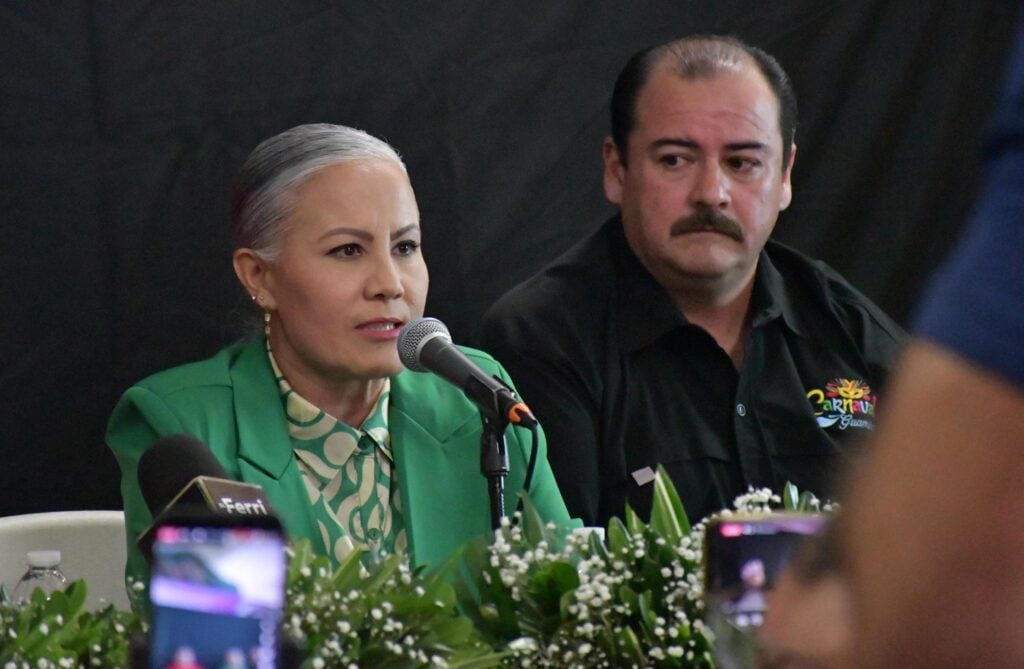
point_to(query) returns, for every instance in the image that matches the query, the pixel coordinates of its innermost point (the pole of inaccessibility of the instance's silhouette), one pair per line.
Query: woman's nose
(385, 281)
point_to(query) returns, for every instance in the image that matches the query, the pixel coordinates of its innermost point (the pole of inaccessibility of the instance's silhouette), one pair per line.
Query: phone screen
(217, 595)
(743, 558)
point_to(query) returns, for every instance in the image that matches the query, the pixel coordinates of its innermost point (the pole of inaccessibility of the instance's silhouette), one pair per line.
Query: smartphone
(216, 591)
(743, 557)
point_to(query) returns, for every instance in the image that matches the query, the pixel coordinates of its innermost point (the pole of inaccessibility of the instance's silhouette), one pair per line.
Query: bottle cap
(43, 558)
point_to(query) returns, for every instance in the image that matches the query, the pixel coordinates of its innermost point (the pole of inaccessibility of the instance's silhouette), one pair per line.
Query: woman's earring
(266, 322)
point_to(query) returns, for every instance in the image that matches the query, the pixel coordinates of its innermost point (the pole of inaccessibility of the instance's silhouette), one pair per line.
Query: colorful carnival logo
(844, 403)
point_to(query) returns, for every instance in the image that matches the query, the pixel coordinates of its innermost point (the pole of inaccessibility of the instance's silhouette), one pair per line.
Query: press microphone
(179, 474)
(425, 345)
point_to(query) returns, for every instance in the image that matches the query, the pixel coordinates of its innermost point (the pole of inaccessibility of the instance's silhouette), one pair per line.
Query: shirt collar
(302, 415)
(770, 299)
(646, 312)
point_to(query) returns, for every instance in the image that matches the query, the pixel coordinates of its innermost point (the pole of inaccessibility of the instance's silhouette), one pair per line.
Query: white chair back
(92, 546)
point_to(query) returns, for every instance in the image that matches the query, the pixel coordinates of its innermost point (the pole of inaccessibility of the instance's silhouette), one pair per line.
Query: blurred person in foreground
(349, 447)
(926, 564)
(678, 333)
(934, 541)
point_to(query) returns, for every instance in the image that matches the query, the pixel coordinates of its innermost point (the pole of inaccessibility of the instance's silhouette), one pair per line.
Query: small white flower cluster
(646, 590)
(345, 626)
(29, 638)
(756, 501)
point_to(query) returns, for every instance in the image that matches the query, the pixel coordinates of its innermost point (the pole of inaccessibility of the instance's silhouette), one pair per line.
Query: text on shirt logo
(844, 403)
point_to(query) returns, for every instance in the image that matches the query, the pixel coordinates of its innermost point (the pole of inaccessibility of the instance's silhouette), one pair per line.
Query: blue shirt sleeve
(975, 304)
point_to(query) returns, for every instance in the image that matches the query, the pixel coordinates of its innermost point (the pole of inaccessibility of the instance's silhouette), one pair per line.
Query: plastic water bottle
(43, 572)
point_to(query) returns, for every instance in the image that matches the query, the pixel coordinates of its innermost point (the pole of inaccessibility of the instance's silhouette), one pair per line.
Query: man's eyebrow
(747, 146)
(674, 141)
(690, 144)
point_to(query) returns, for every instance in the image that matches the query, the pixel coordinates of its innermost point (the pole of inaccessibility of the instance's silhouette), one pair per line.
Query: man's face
(703, 182)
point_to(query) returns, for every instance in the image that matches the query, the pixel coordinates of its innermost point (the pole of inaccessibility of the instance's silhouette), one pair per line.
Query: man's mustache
(708, 220)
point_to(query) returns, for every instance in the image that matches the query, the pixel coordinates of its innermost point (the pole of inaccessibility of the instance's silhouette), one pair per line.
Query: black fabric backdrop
(121, 124)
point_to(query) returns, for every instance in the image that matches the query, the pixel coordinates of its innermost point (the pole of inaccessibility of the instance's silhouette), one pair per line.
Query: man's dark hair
(699, 56)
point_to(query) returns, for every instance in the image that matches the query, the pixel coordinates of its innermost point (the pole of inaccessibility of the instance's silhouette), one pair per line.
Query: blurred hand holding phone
(743, 558)
(217, 593)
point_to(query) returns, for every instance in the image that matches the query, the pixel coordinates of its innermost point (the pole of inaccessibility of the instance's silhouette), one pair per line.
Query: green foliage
(59, 632)
(533, 595)
(576, 601)
(389, 616)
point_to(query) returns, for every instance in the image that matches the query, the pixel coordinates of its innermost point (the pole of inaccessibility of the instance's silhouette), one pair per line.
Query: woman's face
(350, 274)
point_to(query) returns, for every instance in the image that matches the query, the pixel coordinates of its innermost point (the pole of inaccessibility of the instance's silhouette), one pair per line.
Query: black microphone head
(168, 466)
(412, 338)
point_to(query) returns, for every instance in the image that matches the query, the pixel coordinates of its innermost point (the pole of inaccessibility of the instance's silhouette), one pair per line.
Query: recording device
(179, 474)
(425, 345)
(217, 590)
(743, 557)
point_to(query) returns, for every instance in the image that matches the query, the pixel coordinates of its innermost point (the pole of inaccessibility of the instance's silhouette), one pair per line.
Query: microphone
(178, 474)
(425, 345)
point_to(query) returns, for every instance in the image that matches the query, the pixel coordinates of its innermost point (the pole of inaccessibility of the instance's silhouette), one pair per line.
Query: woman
(348, 446)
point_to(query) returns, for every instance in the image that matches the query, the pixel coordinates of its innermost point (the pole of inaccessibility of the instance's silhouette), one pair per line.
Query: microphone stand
(494, 464)
(494, 452)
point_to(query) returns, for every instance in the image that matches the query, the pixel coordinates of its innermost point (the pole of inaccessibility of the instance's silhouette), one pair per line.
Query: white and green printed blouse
(348, 474)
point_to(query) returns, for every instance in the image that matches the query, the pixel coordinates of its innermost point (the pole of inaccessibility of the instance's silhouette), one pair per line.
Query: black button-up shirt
(622, 382)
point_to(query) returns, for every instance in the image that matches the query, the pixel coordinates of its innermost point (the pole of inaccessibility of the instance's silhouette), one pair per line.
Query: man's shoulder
(577, 281)
(818, 290)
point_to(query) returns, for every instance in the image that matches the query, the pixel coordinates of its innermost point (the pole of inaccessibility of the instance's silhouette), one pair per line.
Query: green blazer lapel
(435, 436)
(264, 447)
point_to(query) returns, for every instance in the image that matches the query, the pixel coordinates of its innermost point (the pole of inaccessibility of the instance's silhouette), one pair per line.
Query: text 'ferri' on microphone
(179, 475)
(425, 345)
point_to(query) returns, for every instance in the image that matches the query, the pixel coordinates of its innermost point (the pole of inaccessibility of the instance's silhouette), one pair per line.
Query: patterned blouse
(348, 473)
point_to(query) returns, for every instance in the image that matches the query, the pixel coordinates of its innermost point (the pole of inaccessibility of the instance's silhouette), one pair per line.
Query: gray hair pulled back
(264, 190)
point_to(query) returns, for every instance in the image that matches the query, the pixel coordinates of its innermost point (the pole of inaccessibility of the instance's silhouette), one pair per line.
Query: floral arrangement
(534, 596)
(58, 633)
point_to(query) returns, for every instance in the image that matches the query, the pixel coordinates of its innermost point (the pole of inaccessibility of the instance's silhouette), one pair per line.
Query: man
(934, 548)
(678, 334)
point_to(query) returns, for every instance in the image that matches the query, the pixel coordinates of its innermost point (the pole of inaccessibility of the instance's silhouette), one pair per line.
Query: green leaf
(633, 522)
(532, 523)
(668, 516)
(790, 497)
(347, 576)
(629, 598)
(618, 537)
(629, 646)
(647, 615)
(76, 593)
(302, 555)
(808, 502)
(481, 662)
(597, 546)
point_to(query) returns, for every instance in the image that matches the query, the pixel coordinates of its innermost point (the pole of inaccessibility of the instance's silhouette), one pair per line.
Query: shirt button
(741, 410)
(374, 534)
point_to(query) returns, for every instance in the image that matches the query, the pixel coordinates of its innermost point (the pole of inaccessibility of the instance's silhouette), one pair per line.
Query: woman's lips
(384, 329)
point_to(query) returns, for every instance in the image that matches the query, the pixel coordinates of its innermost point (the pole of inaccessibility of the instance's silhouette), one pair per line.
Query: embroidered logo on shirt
(844, 403)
